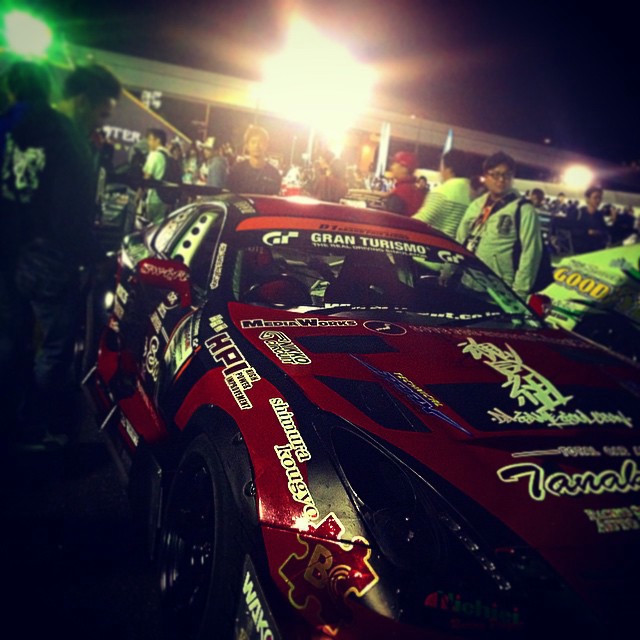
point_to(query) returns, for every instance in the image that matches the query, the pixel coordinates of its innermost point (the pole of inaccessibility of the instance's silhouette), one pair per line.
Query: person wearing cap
(255, 174)
(406, 197)
(444, 207)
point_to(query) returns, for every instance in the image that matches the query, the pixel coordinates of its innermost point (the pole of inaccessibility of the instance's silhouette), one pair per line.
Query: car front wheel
(202, 548)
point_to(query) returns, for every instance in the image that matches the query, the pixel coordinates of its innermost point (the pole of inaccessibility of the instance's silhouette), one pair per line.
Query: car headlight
(411, 523)
(442, 568)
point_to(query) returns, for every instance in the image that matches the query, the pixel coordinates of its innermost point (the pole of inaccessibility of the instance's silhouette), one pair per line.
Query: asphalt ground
(71, 563)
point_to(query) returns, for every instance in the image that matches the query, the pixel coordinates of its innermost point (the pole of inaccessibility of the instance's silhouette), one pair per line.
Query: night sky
(529, 70)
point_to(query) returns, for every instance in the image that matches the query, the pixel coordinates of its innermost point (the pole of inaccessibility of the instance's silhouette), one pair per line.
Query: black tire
(202, 548)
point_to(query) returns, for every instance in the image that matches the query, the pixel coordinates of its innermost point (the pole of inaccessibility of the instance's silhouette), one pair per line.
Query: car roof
(301, 206)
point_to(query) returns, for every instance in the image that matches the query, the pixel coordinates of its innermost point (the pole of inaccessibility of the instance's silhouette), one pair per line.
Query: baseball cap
(406, 159)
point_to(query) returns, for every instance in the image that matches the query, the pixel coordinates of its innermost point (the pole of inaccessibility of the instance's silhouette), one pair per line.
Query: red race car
(337, 423)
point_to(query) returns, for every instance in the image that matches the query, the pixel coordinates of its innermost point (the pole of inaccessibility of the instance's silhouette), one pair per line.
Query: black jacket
(47, 187)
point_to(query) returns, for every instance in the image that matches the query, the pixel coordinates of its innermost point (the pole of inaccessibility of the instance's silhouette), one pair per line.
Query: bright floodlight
(578, 177)
(316, 81)
(26, 35)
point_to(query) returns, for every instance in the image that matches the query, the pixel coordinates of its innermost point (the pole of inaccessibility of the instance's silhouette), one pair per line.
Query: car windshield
(340, 274)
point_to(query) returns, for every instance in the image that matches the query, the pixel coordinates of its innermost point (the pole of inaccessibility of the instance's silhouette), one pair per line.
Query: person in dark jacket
(331, 186)
(589, 230)
(47, 200)
(255, 174)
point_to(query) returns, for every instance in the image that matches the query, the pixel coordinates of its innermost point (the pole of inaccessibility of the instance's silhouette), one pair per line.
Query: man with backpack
(160, 165)
(503, 230)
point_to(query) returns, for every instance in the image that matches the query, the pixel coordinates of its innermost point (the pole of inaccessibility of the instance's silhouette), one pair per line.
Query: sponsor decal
(238, 375)
(615, 519)
(461, 316)
(131, 432)
(184, 340)
(254, 619)
(561, 419)
(151, 362)
(171, 302)
(160, 312)
(287, 422)
(282, 347)
(530, 388)
(217, 267)
(616, 451)
(244, 206)
(324, 573)
(426, 402)
(274, 238)
(370, 243)
(567, 452)
(118, 309)
(541, 483)
(156, 323)
(581, 451)
(122, 294)
(477, 609)
(259, 323)
(364, 229)
(388, 328)
(526, 385)
(529, 336)
(449, 256)
(296, 485)
(170, 274)
(591, 287)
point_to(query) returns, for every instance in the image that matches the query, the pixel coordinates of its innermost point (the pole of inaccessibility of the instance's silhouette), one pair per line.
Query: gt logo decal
(279, 237)
(447, 256)
(326, 572)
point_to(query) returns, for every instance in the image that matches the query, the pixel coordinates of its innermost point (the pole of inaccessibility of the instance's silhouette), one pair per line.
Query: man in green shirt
(490, 227)
(445, 205)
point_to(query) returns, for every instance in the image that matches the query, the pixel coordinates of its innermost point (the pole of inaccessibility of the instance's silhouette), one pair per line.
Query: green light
(26, 35)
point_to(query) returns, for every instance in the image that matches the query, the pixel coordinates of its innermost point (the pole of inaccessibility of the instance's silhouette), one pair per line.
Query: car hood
(538, 427)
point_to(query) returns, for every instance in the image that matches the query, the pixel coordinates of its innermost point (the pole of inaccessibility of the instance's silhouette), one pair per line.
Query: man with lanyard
(502, 228)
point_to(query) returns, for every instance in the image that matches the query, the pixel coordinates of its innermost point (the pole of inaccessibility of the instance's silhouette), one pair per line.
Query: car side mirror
(540, 304)
(167, 274)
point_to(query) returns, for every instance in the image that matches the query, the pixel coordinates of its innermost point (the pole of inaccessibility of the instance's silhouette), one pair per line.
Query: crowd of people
(52, 159)
(584, 226)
